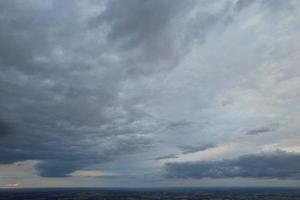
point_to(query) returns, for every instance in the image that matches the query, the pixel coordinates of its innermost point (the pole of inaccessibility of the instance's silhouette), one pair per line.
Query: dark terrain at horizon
(150, 193)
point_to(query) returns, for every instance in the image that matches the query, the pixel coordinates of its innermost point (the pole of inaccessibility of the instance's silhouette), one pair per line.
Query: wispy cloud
(170, 156)
(194, 149)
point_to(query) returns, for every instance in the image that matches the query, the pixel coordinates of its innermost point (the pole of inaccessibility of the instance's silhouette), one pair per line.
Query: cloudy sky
(144, 93)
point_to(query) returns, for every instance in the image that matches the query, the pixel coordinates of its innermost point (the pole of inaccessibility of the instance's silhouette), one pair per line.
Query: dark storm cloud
(194, 149)
(63, 104)
(29, 30)
(6, 128)
(61, 156)
(53, 168)
(277, 165)
(60, 86)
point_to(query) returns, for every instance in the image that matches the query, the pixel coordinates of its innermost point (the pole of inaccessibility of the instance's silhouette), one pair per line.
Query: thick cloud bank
(278, 165)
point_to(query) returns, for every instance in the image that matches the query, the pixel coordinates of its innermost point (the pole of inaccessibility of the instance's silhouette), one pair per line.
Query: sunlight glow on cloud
(92, 173)
(10, 185)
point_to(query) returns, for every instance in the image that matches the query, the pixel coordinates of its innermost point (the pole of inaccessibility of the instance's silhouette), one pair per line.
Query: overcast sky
(144, 93)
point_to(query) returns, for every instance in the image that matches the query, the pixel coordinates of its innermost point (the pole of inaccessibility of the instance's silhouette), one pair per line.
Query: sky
(149, 93)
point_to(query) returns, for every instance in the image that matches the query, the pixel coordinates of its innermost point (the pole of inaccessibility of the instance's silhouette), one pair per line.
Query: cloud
(6, 128)
(178, 124)
(258, 131)
(10, 185)
(92, 173)
(64, 103)
(54, 168)
(276, 165)
(194, 149)
(166, 157)
(64, 80)
(88, 84)
(265, 129)
(155, 36)
(58, 161)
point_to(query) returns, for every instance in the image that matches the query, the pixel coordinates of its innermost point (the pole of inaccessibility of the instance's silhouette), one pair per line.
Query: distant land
(151, 193)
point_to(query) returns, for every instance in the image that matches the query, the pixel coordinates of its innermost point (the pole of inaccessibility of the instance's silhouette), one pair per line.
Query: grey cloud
(276, 165)
(64, 102)
(279, 6)
(33, 22)
(63, 90)
(146, 26)
(258, 131)
(274, 5)
(178, 124)
(194, 149)
(166, 157)
(59, 157)
(66, 84)
(140, 21)
(53, 168)
(157, 33)
(6, 128)
(241, 4)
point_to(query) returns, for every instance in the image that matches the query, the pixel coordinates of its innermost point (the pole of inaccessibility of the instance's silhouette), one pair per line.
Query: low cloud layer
(277, 165)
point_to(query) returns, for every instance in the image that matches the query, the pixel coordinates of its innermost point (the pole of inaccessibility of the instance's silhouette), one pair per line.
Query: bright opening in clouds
(149, 93)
